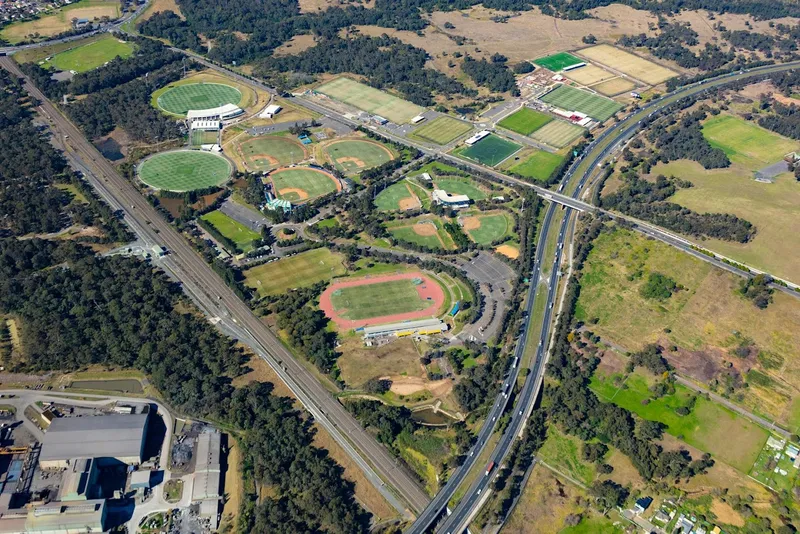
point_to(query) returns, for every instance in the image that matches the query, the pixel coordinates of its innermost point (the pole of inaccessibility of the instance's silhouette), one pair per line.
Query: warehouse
(117, 438)
(206, 490)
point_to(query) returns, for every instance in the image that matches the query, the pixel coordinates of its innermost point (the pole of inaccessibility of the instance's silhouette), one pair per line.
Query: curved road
(585, 167)
(211, 293)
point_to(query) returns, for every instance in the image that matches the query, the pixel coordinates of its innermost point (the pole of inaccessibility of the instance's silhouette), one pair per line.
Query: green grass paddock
(746, 143)
(556, 62)
(302, 270)
(389, 199)
(557, 133)
(233, 230)
(596, 106)
(377, 300)
(370, 99)
(184, 170)
(91, 55)
(493, 227)
(267, 152)
(356, 155)
(314, 182)
(181, 98)
(441, 130)
(490, 150)
(525, 121)
(539, 166)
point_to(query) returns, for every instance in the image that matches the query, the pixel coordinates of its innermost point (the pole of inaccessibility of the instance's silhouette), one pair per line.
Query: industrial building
(206, 490)
(56, 518)
(79, 481)
(270, 111)
(408, 328)
(443, 198)
(228, 111)
(115, 437)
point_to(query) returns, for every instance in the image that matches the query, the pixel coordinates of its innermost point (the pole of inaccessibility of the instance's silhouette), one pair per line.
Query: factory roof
(107, 436)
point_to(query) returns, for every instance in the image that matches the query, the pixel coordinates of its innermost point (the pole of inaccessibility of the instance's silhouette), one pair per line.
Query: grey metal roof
(107, 436)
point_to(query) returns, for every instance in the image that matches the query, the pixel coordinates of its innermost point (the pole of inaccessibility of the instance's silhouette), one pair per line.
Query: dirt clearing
(425, 229)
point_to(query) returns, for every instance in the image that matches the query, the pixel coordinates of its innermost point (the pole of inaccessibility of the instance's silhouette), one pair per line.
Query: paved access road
(234, 316)
(585, 167)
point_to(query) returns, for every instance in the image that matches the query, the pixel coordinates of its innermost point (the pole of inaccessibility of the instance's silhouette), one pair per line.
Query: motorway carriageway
(211, 293)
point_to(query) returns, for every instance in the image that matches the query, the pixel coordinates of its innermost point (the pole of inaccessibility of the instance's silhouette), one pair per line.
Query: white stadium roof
(211, 113)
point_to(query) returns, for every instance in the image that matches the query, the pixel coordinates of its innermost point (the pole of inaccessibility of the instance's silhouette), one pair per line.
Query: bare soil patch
(300, 192)
(159, 6)
(359, 363)
(260, 371)
(408, 385)
(471, 223)
(726, 514)
(424, 229)
(296, 45)
(508, 251)
(350, 159)
(409, 203)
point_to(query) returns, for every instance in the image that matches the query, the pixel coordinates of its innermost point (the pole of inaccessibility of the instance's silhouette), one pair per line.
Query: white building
(271, 111)
(228, 111)
(206, 125)
(408, 328)
(477, 137)
(443, 198)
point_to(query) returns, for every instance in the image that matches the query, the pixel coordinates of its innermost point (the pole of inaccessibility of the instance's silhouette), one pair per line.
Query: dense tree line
(119, 312)
(647, 201)
(785, 120)
(30, 170)
(386, 421)
(683, 139)
(385, 61)
(492, 74)
(168, 25)
(307, 327)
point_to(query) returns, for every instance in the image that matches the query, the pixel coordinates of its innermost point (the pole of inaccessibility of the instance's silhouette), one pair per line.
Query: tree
(608, 493)
(376, 386)
(589, 39)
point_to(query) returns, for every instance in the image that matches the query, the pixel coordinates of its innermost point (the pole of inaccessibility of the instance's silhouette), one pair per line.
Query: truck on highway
(489, 468)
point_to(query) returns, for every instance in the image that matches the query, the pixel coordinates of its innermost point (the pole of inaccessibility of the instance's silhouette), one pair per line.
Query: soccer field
(442, 130)
(370, 100)
(91, 55)
(377, 300)
(184, 170)
(233, 230)
(351, 156)
(556, 62)
(571, 99)
(300, 184)
(538, 166)
(267, 152)
(525, 121)
(628, 63)
(301, 270)
(557, 133)
(746, 143)
(491, 150)
(181, 98)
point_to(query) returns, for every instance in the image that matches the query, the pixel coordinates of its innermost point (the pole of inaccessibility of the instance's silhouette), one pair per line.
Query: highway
(233, 315)
(203, 284)
(585, 166)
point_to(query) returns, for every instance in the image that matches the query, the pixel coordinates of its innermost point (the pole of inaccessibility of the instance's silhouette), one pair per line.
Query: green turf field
(746, 143)
(539, 166)
(376, 300)
(460, 186)
(709, 426)
(557, 133)
(525, 121)
(203, 137)
(267, 152)
(441, 130)
(437, 241)
(355, 155)
(184, 170)
(233, 230)
(91, 55)
(556, 62)
(300, 184)
(493, 227)
(302, 270)
(370, 100)
(571, 99)
(390, 198)
(490, 150)
(180, 99)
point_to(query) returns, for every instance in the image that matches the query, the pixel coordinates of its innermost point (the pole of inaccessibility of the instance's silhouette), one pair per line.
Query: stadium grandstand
(443, 198)
(408, 328)
(228, 111)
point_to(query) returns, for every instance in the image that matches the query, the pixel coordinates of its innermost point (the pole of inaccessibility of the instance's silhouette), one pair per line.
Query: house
(642, 505)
